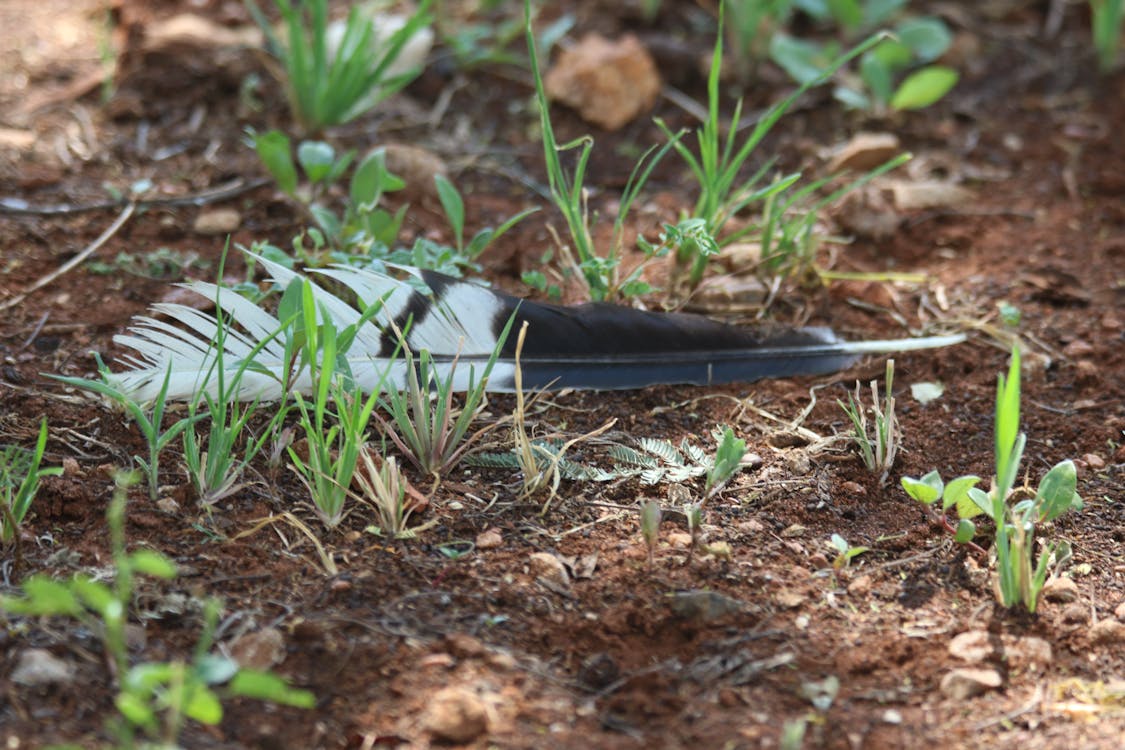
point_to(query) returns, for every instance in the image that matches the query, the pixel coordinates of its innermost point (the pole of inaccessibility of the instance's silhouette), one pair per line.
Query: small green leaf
(929, 38)
(1057, 491)
(924, 87)
(44, 596)
(215, 669)
(453, 206)
(316, 158)
(135, 709)
(96, 596)
(372, 179)
(203, 705)
(966, 530)
(839, 543)
(274, 150)
(981, 500)
(925, 490)
(801, 59)
(270, 687)
(152, 563)
(957, 493)
(876, 74)
(851, 98)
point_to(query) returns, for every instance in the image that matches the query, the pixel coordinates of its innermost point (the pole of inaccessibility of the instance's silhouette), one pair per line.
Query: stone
(260, 650)
(912, 196)
(1094, 461)
(217, 221)
(679, 539)
(704, 606)
(489, 539)
(1062, 590)
(1107, 632)
(1119, 611)
(961, 684)
(864, 152)
(972, 646)
(608, 82)
(861, 586)
(547, 566)
(456, 714)
(1028, 652)
(36, 667)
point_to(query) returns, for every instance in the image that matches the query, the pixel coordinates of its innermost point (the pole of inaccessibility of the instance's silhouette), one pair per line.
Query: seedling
(1015, 510)
(651, 514)
(332, 81)
(879, 450)
(150, 420)
(728, 461)
(20, 474)
(844, 552)
(386, 489)
(152, 698)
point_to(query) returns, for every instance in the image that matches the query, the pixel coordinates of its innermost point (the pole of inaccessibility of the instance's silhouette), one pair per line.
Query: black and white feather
(592, 346)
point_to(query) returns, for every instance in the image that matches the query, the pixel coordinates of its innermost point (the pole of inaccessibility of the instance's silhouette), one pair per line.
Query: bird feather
(593, 346)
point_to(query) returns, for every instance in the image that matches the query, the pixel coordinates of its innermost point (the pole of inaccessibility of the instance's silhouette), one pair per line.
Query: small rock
(789, 598)
(793, 531)
(440, 660)
(416, 166)
(679, 539)
(1107, 632)
(609, 83)
(910, 196)
(1028, 652)
(1076, 613)
(37, 666)
(456, 714)
(18, 140)
(798, 462)
(750, 526)
(973, 646)
(188, 29)
(217, 221)
(704, 606)
(1078, 348)
(730, 293)
(489, 539)
(854, 488)
(464, 646)
(861, 586)
(545, 565)
(1062, 590)
(741, 256)
(259, 650)
(1094, 461)
(818, 561)
(961, 684)
(1119, 611)
(864, 152)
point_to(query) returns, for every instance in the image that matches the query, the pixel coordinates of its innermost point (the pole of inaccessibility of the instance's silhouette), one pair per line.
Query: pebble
(1094, 461)
(416, 166)
(961, 684)
(608, 82)
(456, 714)
(912, 196)
(489, 539)
(1076, 613)
(37, 666)
(1028, 652)
(861, 586)
(1119, 611)
(259, 650)
(704, 606)
(1078, 348)
(217, 221)
(1062, 590)
(679, 539)
(1107, 632)
(973, 646)
(864, 152)
(545, 565)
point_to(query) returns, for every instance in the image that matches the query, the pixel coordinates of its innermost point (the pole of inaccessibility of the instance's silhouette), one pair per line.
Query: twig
(227, 190)
(76, 260)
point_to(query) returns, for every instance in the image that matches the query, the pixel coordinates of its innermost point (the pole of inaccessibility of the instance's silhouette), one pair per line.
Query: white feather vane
(596, 346)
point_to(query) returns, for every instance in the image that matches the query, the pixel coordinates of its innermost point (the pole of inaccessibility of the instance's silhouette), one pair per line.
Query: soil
(697, 651)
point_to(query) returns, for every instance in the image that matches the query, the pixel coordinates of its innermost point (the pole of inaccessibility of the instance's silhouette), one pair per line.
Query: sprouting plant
(364, 228)
(717, 168)
(149, 420)
(693, 513)
(334, 75)
(334, 439)
(428, 430)
(728, 461)
(1106, 19)
(601, 272)
(844, 551)
(454, 207)
(651, 514)
(153, 698)
(20, 474)
(1016, 511)
(162, 263)
(914, 42)
(880, 449)
(383, 486)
